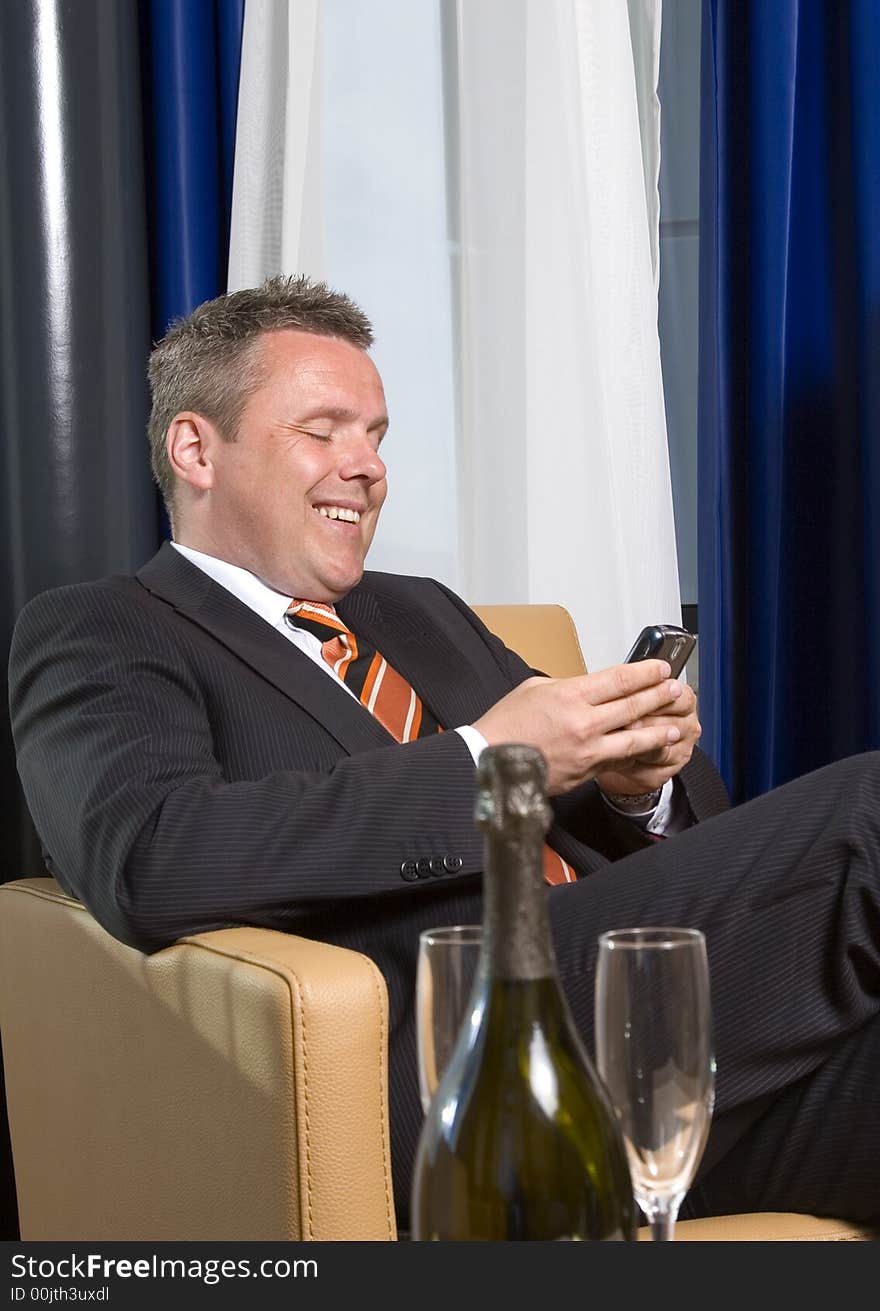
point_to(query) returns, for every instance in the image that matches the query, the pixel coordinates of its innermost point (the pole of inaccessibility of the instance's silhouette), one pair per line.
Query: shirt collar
(251, 590)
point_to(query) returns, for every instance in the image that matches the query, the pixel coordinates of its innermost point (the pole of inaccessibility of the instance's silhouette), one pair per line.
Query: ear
(190, 442)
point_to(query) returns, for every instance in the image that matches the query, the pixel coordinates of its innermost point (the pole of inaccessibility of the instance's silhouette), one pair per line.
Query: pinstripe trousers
(787, 890)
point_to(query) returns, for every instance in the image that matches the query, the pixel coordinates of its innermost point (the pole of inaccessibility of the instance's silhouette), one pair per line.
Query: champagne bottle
(520, 1141)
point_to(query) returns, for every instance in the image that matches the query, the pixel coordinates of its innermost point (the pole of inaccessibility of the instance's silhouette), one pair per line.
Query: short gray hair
(207, 361)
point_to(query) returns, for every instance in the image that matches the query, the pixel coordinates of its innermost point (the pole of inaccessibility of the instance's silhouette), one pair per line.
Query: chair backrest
(544, 635)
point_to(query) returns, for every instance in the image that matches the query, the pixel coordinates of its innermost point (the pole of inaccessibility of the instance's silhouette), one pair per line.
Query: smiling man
(295, 498)
(256, 730)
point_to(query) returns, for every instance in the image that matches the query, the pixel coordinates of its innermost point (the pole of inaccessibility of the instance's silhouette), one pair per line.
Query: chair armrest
(769, 1227)
(231, 1086)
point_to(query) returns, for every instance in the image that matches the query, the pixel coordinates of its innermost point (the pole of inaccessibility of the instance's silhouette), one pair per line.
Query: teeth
(337, 512)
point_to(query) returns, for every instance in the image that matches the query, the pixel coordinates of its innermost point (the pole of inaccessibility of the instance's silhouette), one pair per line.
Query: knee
(864, 763)
(870, 762)
(860, 777)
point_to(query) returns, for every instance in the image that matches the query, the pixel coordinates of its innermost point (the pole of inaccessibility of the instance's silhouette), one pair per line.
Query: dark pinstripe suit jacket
(187, 767)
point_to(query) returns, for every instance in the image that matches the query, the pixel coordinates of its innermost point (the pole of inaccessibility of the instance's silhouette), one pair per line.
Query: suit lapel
(417, 646)
(421, 650)
(193, 594)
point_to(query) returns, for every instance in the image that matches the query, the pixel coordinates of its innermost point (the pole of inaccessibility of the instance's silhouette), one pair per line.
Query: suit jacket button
(438, 867)
(423, 867)
(452, 864)
(409, 871)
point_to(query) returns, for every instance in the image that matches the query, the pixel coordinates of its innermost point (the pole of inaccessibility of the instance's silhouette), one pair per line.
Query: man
(253, 730)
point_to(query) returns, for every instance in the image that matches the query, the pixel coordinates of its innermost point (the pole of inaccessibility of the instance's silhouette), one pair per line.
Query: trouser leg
(816, 1147)
(787, 890)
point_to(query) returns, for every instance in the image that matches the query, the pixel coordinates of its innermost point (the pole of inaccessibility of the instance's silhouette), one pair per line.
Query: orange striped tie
(384, 692)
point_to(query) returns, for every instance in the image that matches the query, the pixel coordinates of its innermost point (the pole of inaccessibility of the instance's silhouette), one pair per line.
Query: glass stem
(663, 1227)
(661, 1221)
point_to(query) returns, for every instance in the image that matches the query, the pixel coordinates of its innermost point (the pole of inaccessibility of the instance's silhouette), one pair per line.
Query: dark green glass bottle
(520, 1141)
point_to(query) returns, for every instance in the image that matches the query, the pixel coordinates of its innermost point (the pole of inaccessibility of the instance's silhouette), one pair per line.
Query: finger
(631, 744)
(619, 681)
(663, 758)
(673, 757)
(669, 719)
(683, 707)
(685, 704)
(636, 708)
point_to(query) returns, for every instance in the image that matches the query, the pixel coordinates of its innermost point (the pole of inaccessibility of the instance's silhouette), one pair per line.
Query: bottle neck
(516, 922)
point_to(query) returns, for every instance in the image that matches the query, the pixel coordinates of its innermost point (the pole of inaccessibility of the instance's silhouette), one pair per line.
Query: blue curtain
(191, 66)
(191, 53)
(789, 401)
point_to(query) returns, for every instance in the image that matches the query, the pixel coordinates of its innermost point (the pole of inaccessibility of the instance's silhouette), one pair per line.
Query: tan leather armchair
(230, 1087)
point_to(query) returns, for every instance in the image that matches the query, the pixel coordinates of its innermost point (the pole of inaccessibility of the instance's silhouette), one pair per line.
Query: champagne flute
(654, 1052)
(445, 972)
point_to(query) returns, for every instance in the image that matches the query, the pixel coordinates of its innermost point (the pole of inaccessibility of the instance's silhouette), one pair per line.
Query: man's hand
(649, 770)
(592, 724)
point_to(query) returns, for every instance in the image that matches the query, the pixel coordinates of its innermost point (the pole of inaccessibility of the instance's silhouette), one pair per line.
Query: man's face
(296, 498)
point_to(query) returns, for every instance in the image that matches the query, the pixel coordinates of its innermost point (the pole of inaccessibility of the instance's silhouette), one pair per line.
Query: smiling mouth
(338, 512)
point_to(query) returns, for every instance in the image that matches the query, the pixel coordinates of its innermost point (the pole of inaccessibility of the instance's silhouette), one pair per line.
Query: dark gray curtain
(77, 496)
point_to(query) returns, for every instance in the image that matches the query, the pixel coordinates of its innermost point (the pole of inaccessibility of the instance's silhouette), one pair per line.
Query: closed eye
(377, 431)
(310, 432)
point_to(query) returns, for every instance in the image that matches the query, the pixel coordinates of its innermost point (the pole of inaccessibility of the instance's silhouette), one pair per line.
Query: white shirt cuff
(659, 821)
(474, 741)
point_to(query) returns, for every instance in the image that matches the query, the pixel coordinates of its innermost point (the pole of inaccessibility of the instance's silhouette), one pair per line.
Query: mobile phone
(664, 642)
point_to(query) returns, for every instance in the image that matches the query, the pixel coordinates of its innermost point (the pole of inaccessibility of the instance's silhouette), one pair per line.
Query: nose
(362, 460)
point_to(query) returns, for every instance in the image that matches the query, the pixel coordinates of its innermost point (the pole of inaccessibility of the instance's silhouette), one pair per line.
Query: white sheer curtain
(644, 32)
(369, 196)
(490, 210)
(277, 219)
(565, 485)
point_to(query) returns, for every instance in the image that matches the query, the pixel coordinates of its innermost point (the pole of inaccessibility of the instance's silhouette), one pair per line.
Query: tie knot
(316, 617)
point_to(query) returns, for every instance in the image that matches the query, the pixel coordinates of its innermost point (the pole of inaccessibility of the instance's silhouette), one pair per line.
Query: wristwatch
(638, 803)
